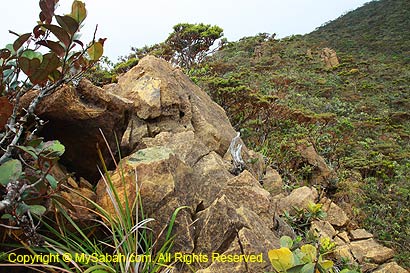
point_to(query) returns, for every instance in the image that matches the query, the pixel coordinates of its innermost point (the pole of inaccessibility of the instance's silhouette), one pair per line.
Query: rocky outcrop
(178, 139)
(169, 102)
(329, 57)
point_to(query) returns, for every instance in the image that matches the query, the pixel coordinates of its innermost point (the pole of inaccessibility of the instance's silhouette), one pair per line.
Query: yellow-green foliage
(306, 258)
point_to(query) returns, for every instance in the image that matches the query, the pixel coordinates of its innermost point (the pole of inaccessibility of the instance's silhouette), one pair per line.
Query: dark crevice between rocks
(200, 158)
(181, 114)
(229, 240)
(227, 243)
(199, 207)
(242, 249)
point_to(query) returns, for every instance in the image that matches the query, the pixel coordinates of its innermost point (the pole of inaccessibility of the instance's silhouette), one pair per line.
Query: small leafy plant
(301, 219)
(307, 258)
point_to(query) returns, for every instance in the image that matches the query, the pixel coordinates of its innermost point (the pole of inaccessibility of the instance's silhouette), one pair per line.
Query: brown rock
(272, 181)
(298, 198)
(241, 225)
(211, 177)
(219, 218)
(344, 237)
(360, 234)
(323, 229)
(136, 130)
(165, 94)
(185, 145)
(80, 199)
(343, 252)
(368, 267)
(158, 175)
(371, 251)
(244, 190)
(335, 215)
(329, 57)
(227, 267)
(391, 267)
(322, 173)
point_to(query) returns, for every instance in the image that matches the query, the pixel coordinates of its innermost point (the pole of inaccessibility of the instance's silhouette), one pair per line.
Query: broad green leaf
(295, 269)
(60, 33)
(21, 40)
(286, 241)
(95, 51)
(30, 150)
(37, 209)
(32, 55)
(11, 49)
(29, 66)
(326, 264)
(55, 75)
(10, 171)
(21, 208)
(308, 268)
(29, 61)
(297, 256)
(78, 11)
(50, 63)
(53, 148)
(6, 216)
(310, 253)
(52, 181)
(281, 259)
(68, 23)
(35, 142)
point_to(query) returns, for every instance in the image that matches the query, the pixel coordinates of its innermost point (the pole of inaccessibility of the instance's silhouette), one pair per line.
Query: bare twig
(235, 148)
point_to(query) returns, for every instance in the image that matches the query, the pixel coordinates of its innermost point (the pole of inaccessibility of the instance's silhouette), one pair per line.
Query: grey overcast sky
(136, 23)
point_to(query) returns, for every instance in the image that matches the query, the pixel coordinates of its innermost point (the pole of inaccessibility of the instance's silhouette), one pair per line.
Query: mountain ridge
(381, 26)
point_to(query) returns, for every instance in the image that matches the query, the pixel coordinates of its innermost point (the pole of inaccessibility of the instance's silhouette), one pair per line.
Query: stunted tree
(192, 42)
(41, 61)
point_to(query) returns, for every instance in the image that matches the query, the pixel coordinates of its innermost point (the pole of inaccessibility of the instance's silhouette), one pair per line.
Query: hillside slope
(379, 27)
(279, 93)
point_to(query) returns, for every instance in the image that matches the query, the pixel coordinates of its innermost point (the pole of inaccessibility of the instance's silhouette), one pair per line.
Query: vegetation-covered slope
(377, 27)
(357, 115)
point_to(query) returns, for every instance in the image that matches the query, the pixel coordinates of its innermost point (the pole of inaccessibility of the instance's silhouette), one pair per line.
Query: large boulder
(299, 198)
(329, 57)
(240, 231)
(168, 100)
(160, 178)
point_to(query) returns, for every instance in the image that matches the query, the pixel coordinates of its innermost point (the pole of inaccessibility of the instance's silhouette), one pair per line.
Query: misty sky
(136, 23)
